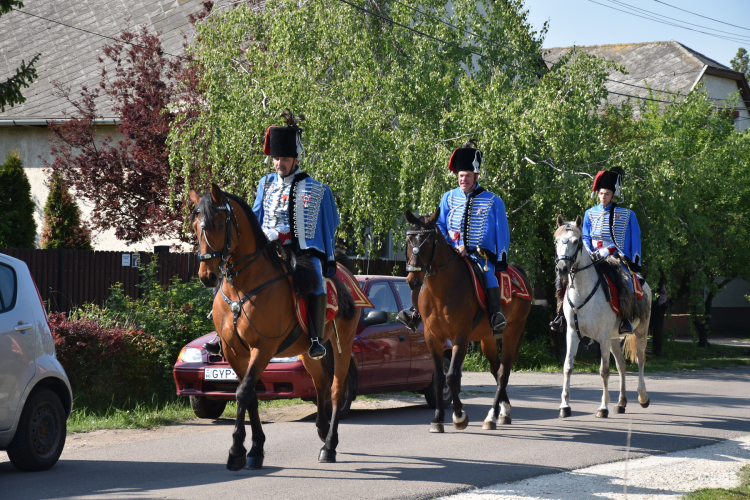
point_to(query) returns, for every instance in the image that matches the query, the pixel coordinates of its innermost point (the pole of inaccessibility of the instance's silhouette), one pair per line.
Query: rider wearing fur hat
(608, 230)
(296, 210)
(474, 222)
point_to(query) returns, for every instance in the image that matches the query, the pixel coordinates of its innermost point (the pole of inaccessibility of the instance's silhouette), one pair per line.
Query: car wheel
(350, 393)
(40, 436)
(429, 393)
(207, 408)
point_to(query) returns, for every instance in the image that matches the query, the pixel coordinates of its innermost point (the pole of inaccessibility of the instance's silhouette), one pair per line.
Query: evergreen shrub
(17, 225)
(62, 220)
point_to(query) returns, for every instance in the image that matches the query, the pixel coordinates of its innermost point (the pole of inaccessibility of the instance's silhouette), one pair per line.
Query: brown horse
(451, 312)
(254, 314)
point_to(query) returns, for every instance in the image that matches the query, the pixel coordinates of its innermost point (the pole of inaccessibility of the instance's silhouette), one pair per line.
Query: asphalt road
(388, 453)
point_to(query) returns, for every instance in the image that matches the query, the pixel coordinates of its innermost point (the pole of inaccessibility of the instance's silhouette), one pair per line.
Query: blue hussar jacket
(477, 220)
(623, 233)
(313, 217)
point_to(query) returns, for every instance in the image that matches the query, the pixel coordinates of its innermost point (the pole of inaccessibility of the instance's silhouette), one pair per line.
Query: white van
(35, 395)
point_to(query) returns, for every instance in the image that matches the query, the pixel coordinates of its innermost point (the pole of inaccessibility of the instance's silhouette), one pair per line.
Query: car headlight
(290, 359)
(191, 355)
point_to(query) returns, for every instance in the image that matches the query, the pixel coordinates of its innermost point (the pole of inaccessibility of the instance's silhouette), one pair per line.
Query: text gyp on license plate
(220, 374)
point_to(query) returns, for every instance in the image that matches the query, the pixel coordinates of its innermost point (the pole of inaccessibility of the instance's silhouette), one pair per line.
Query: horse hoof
(645, 405)
(327, 456)
(505, 420)
(438, 428)
(489, 425)
(602, 413)
(619, 409)
(236, 463)
(462, 422)
(254, 462)
(565, 412)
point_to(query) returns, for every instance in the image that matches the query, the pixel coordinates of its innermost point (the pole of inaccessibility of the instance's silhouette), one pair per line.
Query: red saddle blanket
(510, 281)
(332, 307)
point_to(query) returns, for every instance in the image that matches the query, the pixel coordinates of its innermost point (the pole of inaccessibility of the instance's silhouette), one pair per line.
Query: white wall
(721, 88)
(33, 143)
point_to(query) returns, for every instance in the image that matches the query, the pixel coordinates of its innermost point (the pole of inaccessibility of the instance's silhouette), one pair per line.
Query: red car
(386, 357)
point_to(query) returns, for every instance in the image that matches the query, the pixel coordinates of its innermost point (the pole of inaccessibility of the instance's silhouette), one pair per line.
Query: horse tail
(630, 348)
(347, 309)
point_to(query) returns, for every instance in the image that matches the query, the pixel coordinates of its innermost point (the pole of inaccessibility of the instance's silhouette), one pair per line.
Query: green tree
(62, 220)
(10, 89)
(741, 62)
(17, 225)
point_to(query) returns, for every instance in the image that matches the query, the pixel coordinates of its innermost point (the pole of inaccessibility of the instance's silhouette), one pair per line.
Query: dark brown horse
(254, 314)
(451, 312)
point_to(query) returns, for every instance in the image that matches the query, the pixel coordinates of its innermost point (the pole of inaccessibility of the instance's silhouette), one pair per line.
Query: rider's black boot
(494, 310)
(626, 327)
(410, 318)
(213, 346)
(316, 306)
(558, 324)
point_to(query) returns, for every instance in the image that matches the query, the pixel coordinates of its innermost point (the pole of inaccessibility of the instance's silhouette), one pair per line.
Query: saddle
(295, 266)
(608, 270)
(510, 281)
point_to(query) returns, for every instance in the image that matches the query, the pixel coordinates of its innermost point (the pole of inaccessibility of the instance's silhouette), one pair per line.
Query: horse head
(568, 244)
(421, 240)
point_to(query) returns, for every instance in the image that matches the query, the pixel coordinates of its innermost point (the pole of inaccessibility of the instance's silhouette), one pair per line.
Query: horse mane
(209, 210)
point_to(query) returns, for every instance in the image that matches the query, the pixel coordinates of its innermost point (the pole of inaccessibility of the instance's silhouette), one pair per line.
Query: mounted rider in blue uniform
(296, 210)
(608, 229)
(474, 222)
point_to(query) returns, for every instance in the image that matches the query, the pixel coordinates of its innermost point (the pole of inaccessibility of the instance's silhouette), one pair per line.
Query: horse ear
(215, 194)
(194, 196)
(579, 221)
(411, 218)
(434, 217)
(560, 220)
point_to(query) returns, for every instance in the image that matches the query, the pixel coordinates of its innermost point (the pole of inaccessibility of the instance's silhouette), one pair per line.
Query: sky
(593, 22)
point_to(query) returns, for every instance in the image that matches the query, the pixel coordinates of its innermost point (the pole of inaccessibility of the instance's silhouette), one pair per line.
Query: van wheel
(207, 408)
(429, 393)
(40, 436)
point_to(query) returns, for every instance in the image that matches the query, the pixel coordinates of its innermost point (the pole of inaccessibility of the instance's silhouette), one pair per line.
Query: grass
(150, 415)
(742, 492)
(676, 356)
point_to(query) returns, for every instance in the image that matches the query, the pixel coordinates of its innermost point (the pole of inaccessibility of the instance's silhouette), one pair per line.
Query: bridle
(417, 250)
(574, 269)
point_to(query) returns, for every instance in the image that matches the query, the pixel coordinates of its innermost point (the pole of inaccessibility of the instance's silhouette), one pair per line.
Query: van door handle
(22, 327)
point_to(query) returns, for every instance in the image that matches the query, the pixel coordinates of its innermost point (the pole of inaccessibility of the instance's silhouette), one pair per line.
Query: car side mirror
(376, 318)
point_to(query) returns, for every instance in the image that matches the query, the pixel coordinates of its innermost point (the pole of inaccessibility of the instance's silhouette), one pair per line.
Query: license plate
(220, 374)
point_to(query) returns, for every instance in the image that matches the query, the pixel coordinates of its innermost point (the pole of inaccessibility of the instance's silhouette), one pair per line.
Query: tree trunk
(701, 322)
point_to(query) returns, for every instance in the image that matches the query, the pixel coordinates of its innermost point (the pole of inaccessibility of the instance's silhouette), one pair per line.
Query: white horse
(588, 312)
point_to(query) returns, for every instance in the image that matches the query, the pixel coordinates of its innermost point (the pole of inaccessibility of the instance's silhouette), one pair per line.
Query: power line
(669, 24)
(699, 15)
(656, 14)
(94, 33)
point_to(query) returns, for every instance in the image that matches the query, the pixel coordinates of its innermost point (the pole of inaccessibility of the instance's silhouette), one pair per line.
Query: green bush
(62, 220)
(17, 225)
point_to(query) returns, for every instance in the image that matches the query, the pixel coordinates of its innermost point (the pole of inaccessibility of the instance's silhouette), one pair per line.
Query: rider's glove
(604, 252)
(271, 234)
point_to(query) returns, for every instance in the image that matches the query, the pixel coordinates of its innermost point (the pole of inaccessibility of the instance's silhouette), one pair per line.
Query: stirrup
(498, 322)
(626, 327)
(317, 350)
(556, 325)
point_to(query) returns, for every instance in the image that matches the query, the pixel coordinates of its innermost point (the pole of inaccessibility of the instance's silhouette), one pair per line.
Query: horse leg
(640, 333)
(604, 347)
(453, 379)
(439, 378)
(321, 379)
(247, 401)
(340, 372)
(621, 369)
(570, 357)
(490, 351)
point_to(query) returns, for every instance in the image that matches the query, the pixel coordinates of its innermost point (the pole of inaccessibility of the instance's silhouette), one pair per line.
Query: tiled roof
(660, 65)
(69, 56)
